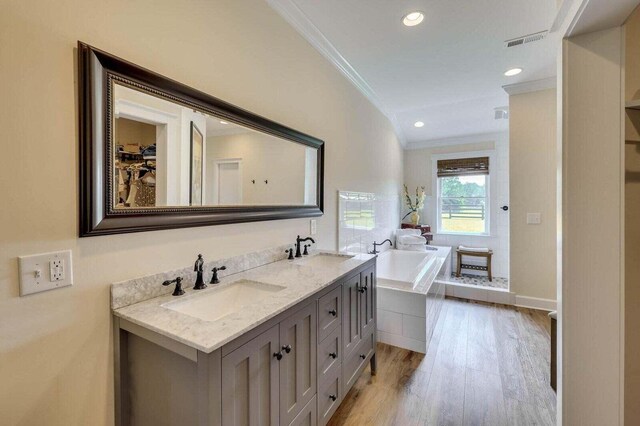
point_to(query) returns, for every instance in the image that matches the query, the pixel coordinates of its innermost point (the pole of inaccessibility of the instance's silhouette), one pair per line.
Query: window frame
(487, 204)
(490, 201)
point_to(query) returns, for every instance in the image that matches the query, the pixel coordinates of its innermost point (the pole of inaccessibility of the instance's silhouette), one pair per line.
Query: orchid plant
(417, 203)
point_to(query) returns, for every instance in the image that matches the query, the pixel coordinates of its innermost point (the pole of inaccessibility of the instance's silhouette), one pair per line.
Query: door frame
(216, 175)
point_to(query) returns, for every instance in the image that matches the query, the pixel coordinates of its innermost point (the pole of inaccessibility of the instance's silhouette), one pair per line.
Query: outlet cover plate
(47, 271)
(313, 227)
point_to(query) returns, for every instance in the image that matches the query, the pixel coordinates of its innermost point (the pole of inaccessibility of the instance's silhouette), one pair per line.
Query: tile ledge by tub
(300, 281)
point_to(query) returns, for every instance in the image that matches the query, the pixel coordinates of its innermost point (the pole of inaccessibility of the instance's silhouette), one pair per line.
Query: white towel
(476, 249)
(410, 239)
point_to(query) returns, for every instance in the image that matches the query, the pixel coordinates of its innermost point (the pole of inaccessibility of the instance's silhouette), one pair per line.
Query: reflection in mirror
(170, 155)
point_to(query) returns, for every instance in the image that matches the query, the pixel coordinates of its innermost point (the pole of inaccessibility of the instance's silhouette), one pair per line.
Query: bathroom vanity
(278, 344)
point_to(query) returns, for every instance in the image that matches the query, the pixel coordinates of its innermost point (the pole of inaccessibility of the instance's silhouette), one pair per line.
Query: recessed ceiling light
(418, 124)
(513, 71)
(223, 122)
(412, 19)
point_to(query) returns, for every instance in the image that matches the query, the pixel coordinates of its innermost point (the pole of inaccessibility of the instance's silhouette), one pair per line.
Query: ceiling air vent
(526, 39)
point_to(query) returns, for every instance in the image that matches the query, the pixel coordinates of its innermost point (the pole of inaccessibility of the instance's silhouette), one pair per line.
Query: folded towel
(409, 231)
(476, 249)
(411, 239)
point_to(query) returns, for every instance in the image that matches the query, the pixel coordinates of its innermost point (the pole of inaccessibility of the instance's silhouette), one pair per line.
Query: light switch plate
(533, 219)
(47, 271)
(314, 227)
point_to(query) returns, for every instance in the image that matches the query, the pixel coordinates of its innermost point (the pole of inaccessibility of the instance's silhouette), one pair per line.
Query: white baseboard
(491, 295)
(536, 303)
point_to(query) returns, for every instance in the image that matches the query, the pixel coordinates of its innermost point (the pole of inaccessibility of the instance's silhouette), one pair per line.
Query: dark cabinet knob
(363, 356)
(333, 397)
(333, 312)
(277, 355)
(286, 348)
(362, 289)
(505, 208)
(333, 355)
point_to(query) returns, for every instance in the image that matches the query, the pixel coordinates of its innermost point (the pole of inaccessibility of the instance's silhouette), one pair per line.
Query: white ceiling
(446, 72)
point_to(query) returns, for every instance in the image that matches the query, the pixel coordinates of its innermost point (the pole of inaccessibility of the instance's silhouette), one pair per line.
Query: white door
(229, 183)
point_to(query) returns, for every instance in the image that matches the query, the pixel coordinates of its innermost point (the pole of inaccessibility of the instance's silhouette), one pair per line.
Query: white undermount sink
(323, 259)
(215, 303)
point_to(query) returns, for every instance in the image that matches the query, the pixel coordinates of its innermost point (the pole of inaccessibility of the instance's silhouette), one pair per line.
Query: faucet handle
(290, 251)
(178, 291)
(306, 252)
(214, 277)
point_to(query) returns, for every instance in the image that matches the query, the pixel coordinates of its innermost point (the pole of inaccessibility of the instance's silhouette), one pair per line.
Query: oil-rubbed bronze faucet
(375, 245)
(178, 291)
(214, 278)
(298, 241)
(198, 267)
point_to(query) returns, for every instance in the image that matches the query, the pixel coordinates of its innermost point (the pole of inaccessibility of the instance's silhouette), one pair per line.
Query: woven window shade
(463, 166)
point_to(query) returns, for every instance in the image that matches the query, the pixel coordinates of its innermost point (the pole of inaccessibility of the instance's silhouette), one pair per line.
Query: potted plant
(414, 205)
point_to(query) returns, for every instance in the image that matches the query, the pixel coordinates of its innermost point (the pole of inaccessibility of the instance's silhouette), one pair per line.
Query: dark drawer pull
(363, 356)
(286, 348)
(333, 312)
(333, 397)
(333, 355)
(278, 355)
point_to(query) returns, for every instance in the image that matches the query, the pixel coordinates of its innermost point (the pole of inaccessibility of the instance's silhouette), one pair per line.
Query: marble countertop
(299, 279)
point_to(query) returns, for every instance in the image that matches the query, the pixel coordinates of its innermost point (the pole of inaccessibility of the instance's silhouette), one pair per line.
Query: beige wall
(591, 315)
(55, 347)
(419, 171)
(278, 161)
(532, 161)
(632, 224)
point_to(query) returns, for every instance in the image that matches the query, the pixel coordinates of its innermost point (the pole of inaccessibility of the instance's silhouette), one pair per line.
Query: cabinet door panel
(351, 329)
(329, 312)
(298, 367)
(250, 382)
(308, 416)
(368, 300)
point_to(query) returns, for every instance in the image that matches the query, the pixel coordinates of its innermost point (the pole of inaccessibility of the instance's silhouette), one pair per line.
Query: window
(463, 196)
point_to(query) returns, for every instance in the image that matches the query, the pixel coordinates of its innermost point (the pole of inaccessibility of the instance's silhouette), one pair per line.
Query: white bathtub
(406, 270)
(409, 296)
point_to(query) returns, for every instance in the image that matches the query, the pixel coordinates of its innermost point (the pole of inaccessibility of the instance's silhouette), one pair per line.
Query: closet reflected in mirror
(167, 154)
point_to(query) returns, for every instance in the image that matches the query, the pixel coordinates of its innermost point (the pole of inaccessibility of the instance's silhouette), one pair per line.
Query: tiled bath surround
(136, 290)
(365, 217)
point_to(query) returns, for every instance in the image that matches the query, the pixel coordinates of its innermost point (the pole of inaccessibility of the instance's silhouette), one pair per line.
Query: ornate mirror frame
(97, 72)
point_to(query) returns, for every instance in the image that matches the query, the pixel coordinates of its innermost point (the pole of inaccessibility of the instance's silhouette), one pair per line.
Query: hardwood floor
(486, 365)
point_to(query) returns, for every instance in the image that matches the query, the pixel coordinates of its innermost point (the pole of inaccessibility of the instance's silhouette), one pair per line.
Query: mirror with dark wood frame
(157, 154)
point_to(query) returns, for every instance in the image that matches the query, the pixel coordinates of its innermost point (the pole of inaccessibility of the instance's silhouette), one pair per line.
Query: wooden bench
(485, 254)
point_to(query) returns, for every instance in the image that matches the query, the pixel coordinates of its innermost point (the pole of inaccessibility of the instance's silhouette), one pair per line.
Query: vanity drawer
(329, 398)
(329, 355)
(308, 415)
(329, 307)
(357, 360)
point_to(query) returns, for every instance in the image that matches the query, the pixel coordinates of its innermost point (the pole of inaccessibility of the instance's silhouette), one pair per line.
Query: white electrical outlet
(314, 227)
(33, 279)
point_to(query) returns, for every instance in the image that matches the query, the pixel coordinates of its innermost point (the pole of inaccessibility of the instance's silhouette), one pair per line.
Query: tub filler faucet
(375, 246)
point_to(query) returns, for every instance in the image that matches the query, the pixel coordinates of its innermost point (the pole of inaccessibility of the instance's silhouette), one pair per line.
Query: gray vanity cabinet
(367, 301)
(251, 382)
(270, 379)
(351, 329)
(298, 364)
(292, 370)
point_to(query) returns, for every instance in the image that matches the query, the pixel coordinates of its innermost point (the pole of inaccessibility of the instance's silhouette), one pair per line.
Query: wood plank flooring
(486, 365)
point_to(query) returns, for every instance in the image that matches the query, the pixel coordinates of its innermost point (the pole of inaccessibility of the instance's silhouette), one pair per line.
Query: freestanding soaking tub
(409, 296)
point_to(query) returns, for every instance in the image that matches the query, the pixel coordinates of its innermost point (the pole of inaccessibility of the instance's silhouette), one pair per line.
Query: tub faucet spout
(375, 246)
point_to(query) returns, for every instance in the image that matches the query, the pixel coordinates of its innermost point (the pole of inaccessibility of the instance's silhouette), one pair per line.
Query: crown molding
(301, 23)
(530, 86)
(459, 140)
